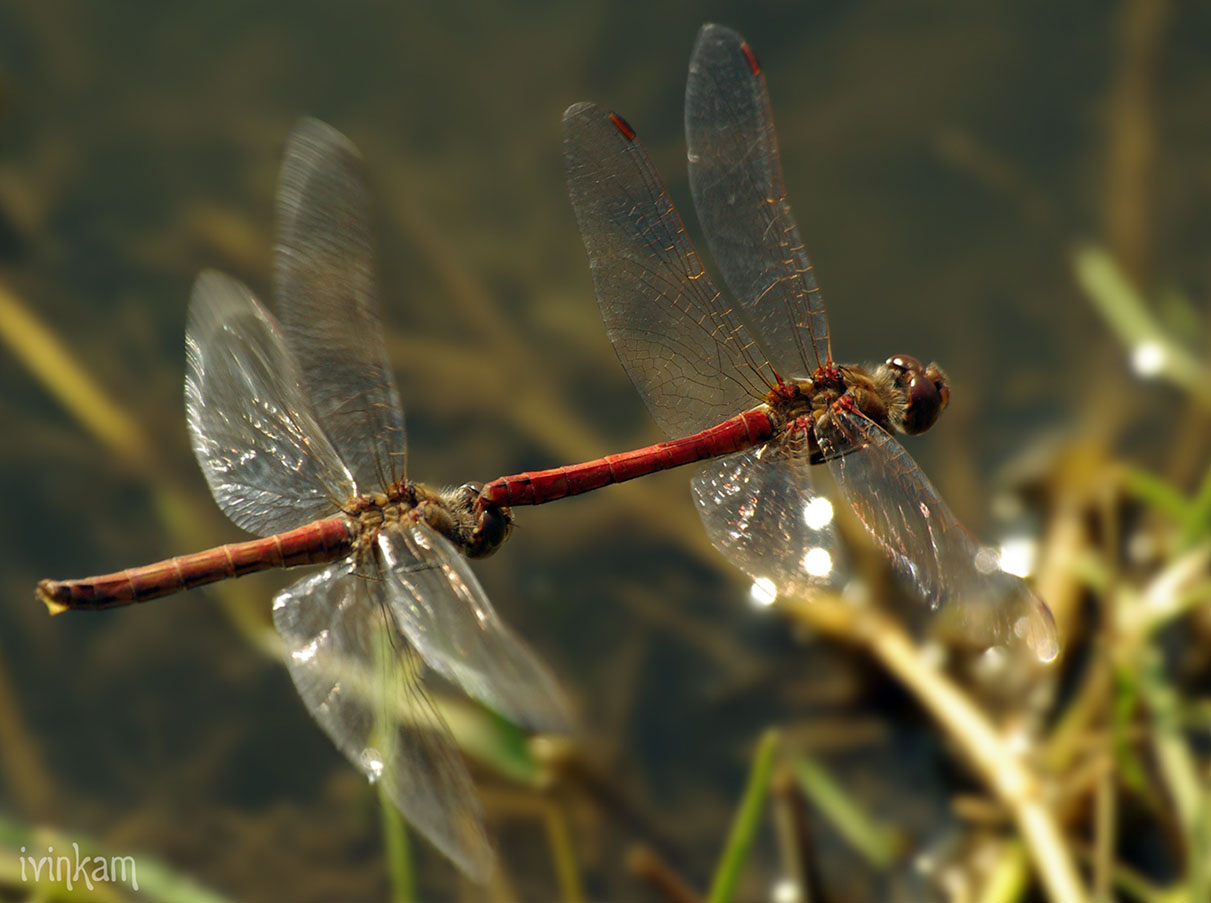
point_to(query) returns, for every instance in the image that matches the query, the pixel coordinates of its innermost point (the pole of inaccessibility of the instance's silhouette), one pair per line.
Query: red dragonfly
(701, 363)
(299, 431)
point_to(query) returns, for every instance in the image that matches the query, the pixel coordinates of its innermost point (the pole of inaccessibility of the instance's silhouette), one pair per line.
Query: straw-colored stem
(1002, 769)
(563, 854)
(31, 342)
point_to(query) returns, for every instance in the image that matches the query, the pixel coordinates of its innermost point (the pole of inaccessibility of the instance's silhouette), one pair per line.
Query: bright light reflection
(934, 654)
(372, 762)
(987, 560)
(992, 662)
(818, 513)
(763, 592)
(818, 562)
(1148, 358)
(785, 891)
(308, 652)
(1018, 555)
(1020, 741)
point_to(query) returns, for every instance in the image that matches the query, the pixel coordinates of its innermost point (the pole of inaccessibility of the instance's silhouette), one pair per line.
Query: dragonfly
(752, 388)
(299, 431)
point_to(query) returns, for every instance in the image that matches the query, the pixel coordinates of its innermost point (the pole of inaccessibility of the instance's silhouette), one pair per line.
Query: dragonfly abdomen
(535, 488)
(314, 543)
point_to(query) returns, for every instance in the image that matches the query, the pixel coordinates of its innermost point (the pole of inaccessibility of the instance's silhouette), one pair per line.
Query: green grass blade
(397, 849)
(877, 843)
(1129, 316)
(746, 821)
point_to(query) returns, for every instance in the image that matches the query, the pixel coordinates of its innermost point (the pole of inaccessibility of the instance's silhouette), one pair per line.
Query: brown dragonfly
(298, 428)
(752, 388)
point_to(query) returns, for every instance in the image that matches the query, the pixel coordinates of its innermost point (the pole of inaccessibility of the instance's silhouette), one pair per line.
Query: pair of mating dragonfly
(298, 428)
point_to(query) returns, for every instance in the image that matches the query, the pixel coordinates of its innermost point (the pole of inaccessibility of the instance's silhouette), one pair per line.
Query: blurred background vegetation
(968, 178)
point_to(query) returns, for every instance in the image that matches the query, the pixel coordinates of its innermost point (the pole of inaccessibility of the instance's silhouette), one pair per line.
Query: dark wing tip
(750, 58)
(623, 126)
(585, 117)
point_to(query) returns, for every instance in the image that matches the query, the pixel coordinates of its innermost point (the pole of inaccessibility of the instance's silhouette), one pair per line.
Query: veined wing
(761, 511)
(327, 297)
(362, 680)
(269, 465)
(684, 347)
(439, 605)
(926, 544)
(739, 193)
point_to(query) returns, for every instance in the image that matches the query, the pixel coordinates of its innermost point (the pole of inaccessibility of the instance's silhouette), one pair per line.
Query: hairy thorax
(900, 395)
(476, 531)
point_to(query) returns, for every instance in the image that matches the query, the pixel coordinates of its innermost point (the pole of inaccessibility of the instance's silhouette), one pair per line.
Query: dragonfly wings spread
(761, 511)
(739, 193)
(327, 297)
(926, 544)
(362, 680)
(683, 346)
(440, 606)
(269, 465)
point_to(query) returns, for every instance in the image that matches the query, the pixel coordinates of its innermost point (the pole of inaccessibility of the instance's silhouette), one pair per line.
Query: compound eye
(935, 375)
(493, 528)
(925, 389)
(924, 405)
(905, 363)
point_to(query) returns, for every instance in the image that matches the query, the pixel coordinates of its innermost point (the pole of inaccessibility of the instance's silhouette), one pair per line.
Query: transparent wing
(736, 180)
(927, 546)
(761, 512)
(683, 346)
(361, 680)
(328, 301)
(441, 608)
(269, 465)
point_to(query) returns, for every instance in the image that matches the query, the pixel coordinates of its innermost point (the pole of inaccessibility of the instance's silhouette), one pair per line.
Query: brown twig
(645, 864)
(1132, 141)
(795, 837)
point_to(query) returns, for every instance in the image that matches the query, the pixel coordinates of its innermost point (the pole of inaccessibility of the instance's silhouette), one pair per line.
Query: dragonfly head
(922, 393)
(490, 524)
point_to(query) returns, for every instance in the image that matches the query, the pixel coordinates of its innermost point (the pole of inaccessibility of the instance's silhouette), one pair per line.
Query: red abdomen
(733, 435)
(314, 543)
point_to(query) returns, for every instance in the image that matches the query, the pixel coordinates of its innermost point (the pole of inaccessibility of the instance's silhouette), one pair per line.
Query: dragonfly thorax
(900, 395)
(451, 512)
(370, 512)
(793, 399)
